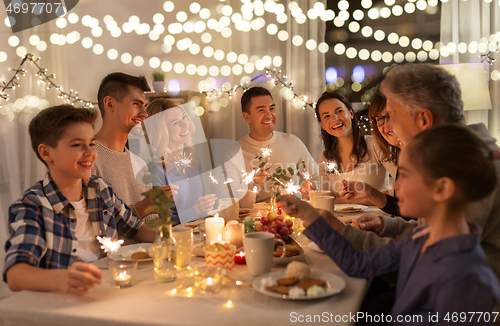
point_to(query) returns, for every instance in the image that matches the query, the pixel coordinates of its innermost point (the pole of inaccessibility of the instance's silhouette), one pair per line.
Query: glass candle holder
(211, 279)
(122, 273)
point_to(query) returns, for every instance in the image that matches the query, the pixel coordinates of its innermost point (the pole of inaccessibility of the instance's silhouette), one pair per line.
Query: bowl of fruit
(282, 229)
(219, 254)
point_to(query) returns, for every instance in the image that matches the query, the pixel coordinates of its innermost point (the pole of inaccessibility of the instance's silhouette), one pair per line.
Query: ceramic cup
(259, 249)
(314, 193)
(184, 243)
(325, 202)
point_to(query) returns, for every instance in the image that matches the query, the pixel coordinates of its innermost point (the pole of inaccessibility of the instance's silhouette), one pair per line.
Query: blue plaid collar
(56, 197)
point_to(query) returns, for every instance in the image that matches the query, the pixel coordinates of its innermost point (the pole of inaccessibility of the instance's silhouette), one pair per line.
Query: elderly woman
(169, 131)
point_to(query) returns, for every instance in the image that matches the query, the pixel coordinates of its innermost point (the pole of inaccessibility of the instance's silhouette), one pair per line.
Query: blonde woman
(169, 132)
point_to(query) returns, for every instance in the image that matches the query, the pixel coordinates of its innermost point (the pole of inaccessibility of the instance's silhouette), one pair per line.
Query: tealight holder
(224, 258)
(211, 279)
(239, 257)
(122, 273)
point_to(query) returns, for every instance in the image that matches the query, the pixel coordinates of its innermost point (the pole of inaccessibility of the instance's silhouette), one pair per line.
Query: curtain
(19, 166)
(476, 24)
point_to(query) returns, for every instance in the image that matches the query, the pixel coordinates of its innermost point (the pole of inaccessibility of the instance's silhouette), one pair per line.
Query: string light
(44, 78)
(277, 79)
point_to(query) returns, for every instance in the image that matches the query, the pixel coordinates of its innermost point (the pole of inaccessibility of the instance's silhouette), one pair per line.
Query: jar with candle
(164, 254)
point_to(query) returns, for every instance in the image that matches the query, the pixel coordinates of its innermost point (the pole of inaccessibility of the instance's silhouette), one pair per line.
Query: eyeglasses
(380, 120)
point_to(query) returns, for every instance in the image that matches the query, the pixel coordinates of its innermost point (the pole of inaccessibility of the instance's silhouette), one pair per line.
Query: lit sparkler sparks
(266, 152)
(331, 167)
(184, 161)
(307, 176)
(109, 245)
(248, 177)
(228, 180)
(291, 188)
(213, 179)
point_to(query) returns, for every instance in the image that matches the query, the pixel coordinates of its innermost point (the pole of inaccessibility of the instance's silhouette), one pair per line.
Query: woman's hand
(298, 208)
(369, 222)
(361, 193)
(307, 186)
(206, 203)
(356, 190)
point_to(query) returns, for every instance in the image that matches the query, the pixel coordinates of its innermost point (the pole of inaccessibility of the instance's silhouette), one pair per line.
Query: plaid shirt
(42, 233)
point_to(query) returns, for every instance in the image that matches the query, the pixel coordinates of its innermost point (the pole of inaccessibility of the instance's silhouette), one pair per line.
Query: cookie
(278, 288)
(350, 209)
(308, 282)
(139, 255)
(287, 281)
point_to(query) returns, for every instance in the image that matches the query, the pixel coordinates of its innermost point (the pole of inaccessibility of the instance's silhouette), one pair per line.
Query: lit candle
(209, 284)
(122, 280)
(235, 233)
(219, 240)
(214, 228)
(239, 258)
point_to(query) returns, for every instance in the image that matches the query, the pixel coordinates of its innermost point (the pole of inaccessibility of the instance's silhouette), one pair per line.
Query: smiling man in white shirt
(287, 150)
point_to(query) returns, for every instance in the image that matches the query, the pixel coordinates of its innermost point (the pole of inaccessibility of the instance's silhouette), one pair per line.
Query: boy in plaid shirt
(53, 226)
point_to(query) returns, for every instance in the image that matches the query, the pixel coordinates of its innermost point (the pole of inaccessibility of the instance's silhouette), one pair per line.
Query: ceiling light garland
(44, 78)
(277, 79)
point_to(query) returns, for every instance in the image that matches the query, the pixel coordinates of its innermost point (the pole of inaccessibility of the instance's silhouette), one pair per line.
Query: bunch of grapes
(275, 224)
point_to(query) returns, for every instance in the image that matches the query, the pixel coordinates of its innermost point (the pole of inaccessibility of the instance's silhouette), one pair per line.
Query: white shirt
(88, 248)
(370, 171)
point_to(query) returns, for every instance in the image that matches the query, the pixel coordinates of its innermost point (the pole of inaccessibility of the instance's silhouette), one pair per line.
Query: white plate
(287, 260)
(359, 208)
(334, 285)
(315, 247)
(117, 255)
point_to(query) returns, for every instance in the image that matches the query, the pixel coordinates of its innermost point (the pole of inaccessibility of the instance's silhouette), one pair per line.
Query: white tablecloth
(151, 303)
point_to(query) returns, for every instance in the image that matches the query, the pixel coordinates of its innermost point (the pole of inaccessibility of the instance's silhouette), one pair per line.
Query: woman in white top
(348, 155)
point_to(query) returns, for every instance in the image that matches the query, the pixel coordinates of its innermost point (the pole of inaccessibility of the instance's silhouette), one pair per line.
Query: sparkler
(213, 179)
(291, 188)
(307, 176)
(266, 152)
(184, 161)
(331, 167)
(228, 180)
(248, 177)
(109, 245)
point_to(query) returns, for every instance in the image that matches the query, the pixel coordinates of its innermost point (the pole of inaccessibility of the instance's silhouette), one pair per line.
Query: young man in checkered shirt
(53, 226)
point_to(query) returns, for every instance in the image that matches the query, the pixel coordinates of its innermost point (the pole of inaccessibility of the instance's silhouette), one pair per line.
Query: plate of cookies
(138, 252)
(298, 283)
(349, 208)
(294, 251)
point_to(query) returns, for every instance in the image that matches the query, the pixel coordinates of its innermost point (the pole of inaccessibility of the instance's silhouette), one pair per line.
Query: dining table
(151, 303)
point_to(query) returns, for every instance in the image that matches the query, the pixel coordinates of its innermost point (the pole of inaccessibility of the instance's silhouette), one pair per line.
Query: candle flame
(216, 216)
(219, 238)
(229, 304)
(109, 245)
(122, 275)
(209, 281)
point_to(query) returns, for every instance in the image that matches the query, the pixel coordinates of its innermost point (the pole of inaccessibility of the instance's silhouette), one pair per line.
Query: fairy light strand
(44, 77)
